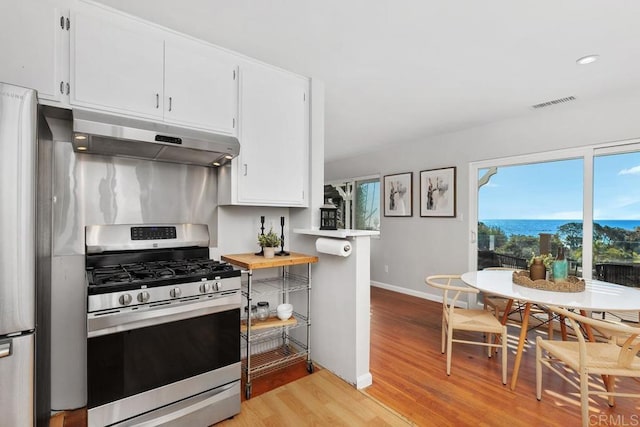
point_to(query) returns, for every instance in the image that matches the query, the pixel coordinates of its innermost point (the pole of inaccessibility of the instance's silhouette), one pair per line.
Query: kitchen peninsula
(341, 304)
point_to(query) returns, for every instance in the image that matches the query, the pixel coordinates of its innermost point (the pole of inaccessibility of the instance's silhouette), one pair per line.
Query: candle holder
(262, 233)
(282, 251)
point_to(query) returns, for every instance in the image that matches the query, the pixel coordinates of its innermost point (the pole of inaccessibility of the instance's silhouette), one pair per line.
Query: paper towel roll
(337, 247)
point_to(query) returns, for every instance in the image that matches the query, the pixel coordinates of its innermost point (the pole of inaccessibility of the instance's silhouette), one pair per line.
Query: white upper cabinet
(123, 64)
(273, 166)
(201, 85)
(117, 63)
(33, 36)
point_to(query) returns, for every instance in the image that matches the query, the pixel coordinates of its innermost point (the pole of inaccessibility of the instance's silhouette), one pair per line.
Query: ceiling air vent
(554, 102)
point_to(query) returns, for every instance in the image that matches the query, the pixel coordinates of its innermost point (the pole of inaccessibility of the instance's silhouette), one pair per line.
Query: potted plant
(269, 242)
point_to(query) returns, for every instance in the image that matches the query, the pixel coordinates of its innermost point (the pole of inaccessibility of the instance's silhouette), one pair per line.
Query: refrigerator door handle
(5, 348)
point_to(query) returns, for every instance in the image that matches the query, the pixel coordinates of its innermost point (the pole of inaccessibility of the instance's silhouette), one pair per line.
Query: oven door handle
(109, 323)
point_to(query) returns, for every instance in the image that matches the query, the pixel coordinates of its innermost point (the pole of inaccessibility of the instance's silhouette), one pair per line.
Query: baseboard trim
(364, 380)
(414, 293)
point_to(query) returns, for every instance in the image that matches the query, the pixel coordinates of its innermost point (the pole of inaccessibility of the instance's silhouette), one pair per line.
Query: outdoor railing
(488, 258)
(494, 259)
(627, 274)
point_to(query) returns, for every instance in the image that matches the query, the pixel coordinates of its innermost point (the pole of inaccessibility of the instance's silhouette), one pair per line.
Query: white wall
(416, 247)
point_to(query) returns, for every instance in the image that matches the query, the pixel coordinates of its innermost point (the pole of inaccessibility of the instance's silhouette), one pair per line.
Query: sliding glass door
(616, 213)
(585, 200)
(530, 209)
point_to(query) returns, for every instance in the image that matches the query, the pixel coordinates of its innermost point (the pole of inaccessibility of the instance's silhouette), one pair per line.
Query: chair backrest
(611, 330)
(452, 291)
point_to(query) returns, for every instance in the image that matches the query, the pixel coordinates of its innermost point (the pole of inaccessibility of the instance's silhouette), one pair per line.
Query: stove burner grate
(148, 272)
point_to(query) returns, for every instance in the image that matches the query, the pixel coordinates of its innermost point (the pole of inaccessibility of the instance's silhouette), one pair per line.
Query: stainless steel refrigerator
(25, 257)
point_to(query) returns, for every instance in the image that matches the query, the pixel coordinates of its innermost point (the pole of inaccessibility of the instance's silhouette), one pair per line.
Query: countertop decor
(572, 284)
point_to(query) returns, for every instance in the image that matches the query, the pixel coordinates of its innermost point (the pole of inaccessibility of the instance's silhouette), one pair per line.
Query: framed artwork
(398, 190)
(438, 192)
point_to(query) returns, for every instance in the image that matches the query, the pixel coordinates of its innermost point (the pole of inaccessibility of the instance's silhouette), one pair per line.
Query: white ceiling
(399, 71)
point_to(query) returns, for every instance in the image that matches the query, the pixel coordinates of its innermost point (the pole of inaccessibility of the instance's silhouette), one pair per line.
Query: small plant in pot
(269, 243)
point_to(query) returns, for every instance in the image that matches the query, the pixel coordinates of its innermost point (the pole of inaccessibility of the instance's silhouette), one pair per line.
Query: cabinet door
(201, 85)
(273, 165)
(31, 46)
(116, 63)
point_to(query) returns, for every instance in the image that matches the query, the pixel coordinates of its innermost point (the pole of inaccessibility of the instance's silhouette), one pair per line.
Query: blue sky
(553, 190)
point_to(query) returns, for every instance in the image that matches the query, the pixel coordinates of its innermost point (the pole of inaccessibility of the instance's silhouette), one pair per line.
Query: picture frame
(438, 192)
(398, 194)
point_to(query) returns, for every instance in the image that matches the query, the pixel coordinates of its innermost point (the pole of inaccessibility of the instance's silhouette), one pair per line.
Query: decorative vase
(560, 267)
(560, 270)
(269, 252)
(537, 270)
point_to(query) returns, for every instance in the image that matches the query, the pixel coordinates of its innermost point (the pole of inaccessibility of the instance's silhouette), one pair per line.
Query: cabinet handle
(234, 122)
(170, 103)
(157, 100)
(68, 24)
(245, 169)
(68, 88)
(234, 74)
(62, 88)
(62, 22)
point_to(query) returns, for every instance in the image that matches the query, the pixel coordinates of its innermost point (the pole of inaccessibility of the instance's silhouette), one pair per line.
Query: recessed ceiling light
(82, 148)
(228, 157)
(80, 137)
(216, 163)
(587, 59)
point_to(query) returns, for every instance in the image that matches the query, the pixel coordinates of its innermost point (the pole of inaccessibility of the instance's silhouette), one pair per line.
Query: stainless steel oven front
(163, 327)
(176, 363)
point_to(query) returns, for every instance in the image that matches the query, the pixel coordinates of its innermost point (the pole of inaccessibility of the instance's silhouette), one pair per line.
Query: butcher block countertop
(253, 262)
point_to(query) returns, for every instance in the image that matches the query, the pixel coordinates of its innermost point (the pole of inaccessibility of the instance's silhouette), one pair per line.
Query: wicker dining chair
(461, 319)
(617, 357)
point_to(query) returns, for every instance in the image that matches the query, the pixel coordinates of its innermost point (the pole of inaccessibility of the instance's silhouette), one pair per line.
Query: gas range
(163, 327)
(129, 266)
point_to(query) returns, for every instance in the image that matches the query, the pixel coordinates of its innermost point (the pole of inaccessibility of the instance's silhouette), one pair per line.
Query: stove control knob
(175, 292)
(217, 286)
(205, 288)
(143, 296)
(125, 299)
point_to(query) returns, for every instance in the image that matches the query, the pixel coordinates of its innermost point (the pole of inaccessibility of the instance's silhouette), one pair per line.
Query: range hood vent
(106, 134)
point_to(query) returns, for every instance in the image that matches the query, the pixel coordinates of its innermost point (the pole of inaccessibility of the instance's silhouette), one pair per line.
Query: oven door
(145, 359)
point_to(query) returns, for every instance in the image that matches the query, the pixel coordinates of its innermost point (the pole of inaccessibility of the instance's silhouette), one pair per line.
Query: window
(358, 202)
(616, 213)
(585, 199)
(531, 208)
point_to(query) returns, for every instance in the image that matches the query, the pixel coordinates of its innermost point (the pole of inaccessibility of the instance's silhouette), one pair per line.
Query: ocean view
(533, 227)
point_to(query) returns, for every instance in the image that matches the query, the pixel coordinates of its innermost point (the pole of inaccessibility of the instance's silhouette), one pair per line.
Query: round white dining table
(597, 296)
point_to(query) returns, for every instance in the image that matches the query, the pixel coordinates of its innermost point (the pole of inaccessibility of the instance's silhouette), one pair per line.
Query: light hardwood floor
(320, 399)
(409, 377)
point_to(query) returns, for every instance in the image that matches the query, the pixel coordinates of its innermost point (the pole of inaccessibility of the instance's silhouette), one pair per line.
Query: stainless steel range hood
(106, 134)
